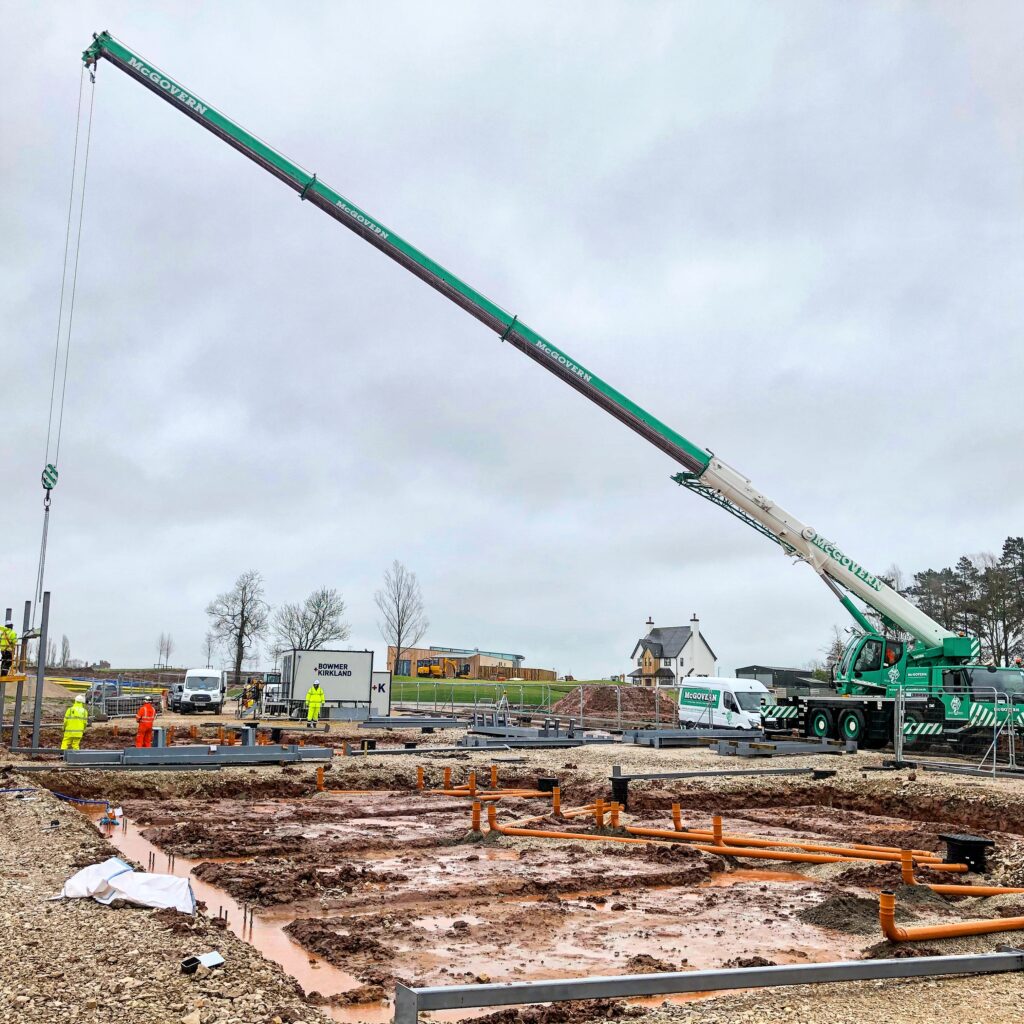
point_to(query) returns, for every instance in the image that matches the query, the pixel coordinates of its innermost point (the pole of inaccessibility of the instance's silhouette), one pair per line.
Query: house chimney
(649, 623)
(695, 628)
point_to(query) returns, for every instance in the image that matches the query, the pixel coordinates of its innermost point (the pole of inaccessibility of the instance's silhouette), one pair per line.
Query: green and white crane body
(934, 670)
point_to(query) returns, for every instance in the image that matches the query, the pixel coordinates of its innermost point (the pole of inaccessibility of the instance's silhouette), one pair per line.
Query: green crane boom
(311, 189)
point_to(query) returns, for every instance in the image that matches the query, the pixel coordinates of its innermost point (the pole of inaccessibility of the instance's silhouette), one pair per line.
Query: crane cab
(872, 664)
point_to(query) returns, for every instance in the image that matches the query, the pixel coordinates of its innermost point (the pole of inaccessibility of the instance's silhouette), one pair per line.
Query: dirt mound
(606, 706)
(842, 912)
(565, 1013)
(270, 883)
(750, 961)
(336, 947)
(644, 963)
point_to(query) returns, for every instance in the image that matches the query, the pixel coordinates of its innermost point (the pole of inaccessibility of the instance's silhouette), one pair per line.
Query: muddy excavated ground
(374, 882)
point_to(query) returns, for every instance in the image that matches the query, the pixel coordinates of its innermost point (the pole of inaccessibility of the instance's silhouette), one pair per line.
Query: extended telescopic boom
(703, 473)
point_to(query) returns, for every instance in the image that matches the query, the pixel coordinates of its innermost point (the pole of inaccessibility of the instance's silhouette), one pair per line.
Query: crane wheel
(820, 724)
(852, 725)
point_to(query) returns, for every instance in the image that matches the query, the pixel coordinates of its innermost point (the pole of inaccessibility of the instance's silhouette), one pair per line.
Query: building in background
(669, 654)
(783, 682)
(492, 665)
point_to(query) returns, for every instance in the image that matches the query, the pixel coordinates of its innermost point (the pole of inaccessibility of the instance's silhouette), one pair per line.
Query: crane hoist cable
(76, 195)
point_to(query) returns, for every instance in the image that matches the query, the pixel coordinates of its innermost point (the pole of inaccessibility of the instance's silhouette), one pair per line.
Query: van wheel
(820, 724)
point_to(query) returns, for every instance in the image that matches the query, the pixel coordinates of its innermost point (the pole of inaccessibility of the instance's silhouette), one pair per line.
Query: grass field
(447, 691)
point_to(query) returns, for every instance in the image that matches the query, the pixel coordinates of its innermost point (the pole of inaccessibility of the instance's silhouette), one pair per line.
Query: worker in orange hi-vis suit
(145, 716)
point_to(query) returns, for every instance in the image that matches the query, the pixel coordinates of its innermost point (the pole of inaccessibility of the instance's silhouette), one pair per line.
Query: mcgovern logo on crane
(844, 560)
(168, 86)
(553, 353)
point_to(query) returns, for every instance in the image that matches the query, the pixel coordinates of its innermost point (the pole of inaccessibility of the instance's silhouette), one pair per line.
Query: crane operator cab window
(870, 657)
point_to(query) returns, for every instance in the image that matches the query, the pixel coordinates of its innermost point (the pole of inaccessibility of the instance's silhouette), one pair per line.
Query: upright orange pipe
(494, 776)
(556, 801)
(894, 933)
(599, 813)
(677, 818)
(716, 826)
(419, 777)
(448, 778)
(476, 816)
(472, 783)
(615, 815)
(320, 779)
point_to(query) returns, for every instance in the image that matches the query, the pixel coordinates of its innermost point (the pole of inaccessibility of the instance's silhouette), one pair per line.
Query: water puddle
(266, 931)
(724, 879)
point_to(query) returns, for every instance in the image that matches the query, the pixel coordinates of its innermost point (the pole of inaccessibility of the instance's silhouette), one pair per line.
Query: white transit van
(722, 703)
(203, 690)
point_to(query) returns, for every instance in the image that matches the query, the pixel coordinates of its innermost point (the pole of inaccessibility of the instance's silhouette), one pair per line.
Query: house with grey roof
(669, 654)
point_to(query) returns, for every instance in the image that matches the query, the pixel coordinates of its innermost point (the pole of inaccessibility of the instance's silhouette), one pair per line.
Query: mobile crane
(945, 691)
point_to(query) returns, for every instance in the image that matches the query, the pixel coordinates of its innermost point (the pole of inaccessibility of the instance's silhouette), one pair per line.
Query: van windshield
(207, 683)
(750, 700)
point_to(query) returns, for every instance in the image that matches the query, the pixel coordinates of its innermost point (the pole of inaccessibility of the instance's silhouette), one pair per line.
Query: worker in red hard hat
(145, 716)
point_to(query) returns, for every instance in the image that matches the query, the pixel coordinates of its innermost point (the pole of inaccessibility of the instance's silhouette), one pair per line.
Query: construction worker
(76, 718)
(145, 717)
(8, 645)
(314, 702)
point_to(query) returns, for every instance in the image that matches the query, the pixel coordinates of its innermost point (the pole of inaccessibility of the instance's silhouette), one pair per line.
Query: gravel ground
(74, 960)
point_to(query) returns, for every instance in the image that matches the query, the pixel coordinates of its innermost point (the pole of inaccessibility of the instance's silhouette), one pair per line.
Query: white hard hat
(79, 699)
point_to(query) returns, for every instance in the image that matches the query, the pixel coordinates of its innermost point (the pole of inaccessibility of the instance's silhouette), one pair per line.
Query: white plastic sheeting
(113, 879)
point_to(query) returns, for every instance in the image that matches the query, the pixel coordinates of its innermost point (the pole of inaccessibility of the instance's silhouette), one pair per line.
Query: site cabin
(202, 690)
(719, 703)
(346, 677)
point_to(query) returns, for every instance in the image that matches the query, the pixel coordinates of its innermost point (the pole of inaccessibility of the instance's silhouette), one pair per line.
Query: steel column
(37, 712)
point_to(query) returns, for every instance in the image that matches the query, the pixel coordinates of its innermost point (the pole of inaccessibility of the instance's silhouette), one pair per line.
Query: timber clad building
(490, 665)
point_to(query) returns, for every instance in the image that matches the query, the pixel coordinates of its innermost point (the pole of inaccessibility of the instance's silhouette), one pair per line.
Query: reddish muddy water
(265, 931)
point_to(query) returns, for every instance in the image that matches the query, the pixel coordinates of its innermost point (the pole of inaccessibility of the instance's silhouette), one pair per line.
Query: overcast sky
(792, 231)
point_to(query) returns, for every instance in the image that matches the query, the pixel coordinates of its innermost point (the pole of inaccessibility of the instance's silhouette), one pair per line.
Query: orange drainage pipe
(750, 845)
(447, 778)
(556, 801)
(494, 776)
(855, 851)
(320, 779)
(907, 870)
(895, 933)
(677, 818)
(419, 777)
(615, 816)
(476, 817)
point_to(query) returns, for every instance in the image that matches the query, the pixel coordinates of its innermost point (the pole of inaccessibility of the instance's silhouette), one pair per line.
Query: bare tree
(311, 624)
(164, 646)
(400, 603)
(65, 651)
(209, 645)
(51, 653)
(239, 618)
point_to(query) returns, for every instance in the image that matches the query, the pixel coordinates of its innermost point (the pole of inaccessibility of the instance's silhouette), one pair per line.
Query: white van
(722, 703)
(203, 690)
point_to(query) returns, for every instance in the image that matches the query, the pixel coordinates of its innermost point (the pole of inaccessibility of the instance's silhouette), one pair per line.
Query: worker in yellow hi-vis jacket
(76, 718)
(315, 698)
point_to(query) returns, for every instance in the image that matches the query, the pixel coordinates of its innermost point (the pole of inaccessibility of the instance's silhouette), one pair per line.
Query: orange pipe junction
(907, 870)
(895, 933)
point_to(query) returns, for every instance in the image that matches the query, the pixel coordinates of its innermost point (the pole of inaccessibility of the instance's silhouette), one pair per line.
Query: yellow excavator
(441, 668)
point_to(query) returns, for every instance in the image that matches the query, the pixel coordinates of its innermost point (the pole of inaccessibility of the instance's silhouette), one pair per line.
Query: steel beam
(410, 1001)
